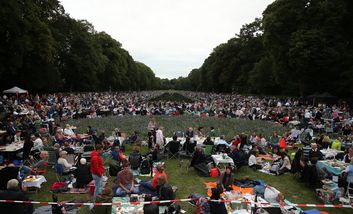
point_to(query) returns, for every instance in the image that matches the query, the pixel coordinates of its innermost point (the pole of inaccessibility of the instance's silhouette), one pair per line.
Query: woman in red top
(283, 143)
(152, 184)
(236, 141)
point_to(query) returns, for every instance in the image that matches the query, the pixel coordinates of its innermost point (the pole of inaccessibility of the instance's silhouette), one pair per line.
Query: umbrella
(15, 90)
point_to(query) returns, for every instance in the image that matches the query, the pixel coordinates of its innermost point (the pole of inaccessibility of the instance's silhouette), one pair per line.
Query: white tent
(15, 90)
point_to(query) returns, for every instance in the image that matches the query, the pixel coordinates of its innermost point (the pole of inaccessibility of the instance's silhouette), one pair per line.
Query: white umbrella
(15, 90)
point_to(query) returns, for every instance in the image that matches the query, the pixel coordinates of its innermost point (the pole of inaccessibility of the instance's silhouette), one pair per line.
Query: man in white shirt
(252, 138)
(252, 161)
(221, 141)
(17, 136)
(68, 131)
(294, 133)
(37, 143)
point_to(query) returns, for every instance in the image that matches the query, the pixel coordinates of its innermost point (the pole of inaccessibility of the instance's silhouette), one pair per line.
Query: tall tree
(308, 42)
(43, 49)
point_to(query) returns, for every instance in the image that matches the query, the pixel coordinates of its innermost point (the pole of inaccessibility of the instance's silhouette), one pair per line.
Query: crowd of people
(34, 122)
(64, 106)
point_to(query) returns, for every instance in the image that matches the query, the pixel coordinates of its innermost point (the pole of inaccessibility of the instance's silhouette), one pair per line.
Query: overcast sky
(170, 36)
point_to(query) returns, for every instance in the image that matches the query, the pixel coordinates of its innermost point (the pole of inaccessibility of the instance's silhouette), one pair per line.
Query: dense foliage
(43, 49)
(298, 47)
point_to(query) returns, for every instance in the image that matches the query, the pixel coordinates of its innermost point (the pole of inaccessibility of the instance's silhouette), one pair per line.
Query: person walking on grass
(97, 170)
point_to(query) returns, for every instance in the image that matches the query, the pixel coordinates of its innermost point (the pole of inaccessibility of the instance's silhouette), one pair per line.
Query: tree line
(297, 47)
(43, 49)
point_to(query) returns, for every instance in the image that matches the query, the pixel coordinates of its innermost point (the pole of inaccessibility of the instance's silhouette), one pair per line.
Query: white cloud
(170, 36)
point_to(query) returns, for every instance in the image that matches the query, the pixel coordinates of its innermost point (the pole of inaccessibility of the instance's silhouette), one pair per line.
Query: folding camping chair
(171, 155)
(40, 171)
(173, 150)
(190, 147)
(71, 159)
(52, 157)
(59, 170)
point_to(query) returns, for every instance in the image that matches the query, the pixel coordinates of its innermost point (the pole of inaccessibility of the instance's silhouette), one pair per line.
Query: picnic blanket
(266, 167)
(247, 190)
(210, 186)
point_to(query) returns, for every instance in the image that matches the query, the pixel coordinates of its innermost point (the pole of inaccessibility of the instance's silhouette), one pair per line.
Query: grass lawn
(188, 181)
(128, 124)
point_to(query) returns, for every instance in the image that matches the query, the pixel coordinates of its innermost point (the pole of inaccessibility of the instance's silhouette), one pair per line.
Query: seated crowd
(52, 108)
(81, 158)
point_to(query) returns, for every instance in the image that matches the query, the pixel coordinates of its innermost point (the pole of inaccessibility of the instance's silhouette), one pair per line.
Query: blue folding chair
(59, 170)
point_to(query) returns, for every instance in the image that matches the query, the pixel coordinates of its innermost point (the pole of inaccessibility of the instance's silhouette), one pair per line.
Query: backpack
(58, 187)
(203, 207)
(200, 202)
(145, 167)
(202, 169)
(214, 172)
(134, 159)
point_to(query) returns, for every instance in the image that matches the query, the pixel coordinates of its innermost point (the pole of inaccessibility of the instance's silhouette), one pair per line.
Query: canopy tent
(15, 90)
(325, 97)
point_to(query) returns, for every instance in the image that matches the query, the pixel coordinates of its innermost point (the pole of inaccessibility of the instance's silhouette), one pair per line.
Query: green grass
(188, 181)
(226, 126)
